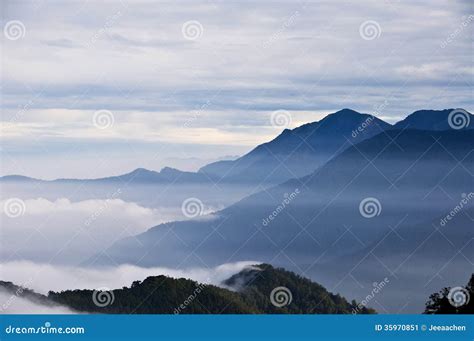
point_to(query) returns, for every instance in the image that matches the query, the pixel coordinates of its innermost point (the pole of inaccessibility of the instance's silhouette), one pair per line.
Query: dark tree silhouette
(252, 294)
(458, 300)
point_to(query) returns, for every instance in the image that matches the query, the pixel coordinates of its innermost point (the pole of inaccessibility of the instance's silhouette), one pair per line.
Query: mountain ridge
(302, 149)
(409, 172)
(166, 295)
(352, 127)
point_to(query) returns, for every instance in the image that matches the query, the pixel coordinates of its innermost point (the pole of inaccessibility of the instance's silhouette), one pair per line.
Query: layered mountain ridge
(292, 154)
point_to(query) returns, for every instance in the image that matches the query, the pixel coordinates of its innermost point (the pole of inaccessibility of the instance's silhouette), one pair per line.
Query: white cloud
(64, 231)
(132, 59)
(12, 304)
(45, 277)
(165, 70)
(42, 278)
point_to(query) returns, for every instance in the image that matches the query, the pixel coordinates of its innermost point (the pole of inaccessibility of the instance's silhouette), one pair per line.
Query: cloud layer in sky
(201, 79)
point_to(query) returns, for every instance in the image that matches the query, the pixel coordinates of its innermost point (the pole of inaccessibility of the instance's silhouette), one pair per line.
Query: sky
(92, 89)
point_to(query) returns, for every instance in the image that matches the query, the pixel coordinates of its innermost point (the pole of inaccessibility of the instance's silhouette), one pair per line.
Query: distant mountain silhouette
(298, 152)
(434, 120)
(400, 166)
(17, 178)
(138, 176)
(411, 178)
(292, 154)
(251, 294)
(166, 175)
(416, 176)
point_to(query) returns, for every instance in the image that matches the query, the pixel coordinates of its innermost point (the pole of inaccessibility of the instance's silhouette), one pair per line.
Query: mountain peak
(436, 119)
(314, 142)
(347, 111)
(142, 171)
(431, 112)
(253, 298)
(169, 170)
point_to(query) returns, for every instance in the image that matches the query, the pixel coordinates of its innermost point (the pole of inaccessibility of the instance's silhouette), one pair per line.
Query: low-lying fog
(70, 222)
(46, 277)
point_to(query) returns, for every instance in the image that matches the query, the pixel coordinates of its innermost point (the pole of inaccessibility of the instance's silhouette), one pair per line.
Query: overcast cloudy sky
(98, 88)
